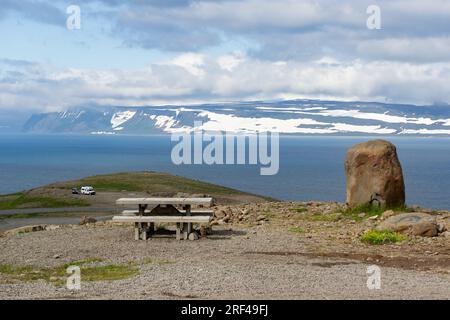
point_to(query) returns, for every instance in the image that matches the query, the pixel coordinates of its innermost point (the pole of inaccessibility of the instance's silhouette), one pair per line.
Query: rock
(86, 220)
(204, 231)
(445, 234)
(56, 256)
(193, 236)
(425, 229)
(373, 218)
(416, 223)
(362, 215)
(387, 214)
(261, 217)
(374, 175)
(220, 213)
(441, 227)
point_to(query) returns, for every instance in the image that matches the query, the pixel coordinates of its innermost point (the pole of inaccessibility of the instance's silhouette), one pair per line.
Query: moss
(21, 200)
(369, 210)
(57, 275)
(382, 237)
(297, 230)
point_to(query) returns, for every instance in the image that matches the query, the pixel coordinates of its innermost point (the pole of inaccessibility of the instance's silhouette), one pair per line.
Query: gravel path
(230, 264)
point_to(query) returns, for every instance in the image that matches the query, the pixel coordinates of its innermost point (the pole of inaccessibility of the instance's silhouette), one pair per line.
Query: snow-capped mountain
(286, 117)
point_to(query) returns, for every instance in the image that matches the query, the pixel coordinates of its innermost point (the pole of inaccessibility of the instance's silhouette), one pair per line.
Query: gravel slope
(230, 264)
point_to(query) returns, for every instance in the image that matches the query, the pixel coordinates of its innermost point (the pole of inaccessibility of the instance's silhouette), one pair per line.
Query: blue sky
(180, 51)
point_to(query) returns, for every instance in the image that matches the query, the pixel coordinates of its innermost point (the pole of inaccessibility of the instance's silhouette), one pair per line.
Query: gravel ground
(232, 263)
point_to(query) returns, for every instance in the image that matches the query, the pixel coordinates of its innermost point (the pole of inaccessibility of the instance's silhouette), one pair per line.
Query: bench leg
(185, 231)
(145, 231)
(136, 231)
(178, 231)
(152, 229)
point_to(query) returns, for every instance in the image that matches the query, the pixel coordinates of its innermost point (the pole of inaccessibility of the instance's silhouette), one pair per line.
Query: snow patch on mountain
(120, 118)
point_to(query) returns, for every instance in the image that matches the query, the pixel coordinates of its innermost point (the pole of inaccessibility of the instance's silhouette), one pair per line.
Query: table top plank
(164, 201)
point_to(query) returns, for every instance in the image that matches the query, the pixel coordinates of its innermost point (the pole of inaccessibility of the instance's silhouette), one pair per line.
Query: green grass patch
(157, 261)
(44, 215)
(23, 200)
(382, 237)
(152, 182)
(296, 230)
(57, 275)
(369, 210)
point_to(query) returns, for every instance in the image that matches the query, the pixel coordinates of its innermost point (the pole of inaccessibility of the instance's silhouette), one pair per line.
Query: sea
(310, 167)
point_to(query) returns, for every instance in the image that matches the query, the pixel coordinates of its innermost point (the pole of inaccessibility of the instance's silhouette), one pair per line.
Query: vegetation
(25, 200)
(44, 215)
(91, 270)
(369, 211)
(300, 209)
(296, 230)
(151, 182)
(382, 237)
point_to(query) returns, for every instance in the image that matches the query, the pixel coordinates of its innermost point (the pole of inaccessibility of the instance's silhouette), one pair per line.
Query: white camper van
(87, 191)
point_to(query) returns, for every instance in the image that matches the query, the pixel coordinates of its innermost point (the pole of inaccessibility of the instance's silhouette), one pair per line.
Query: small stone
(441, 227)
(193, 236)
(261, 217)
(56, 256)
(362, 215)
(203, 231)
(387, 214)
(373, 217)
(86, 220)
(445, 234)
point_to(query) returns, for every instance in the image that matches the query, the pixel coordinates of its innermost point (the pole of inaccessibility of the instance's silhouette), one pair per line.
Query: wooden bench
(133, 213)
(163, 210)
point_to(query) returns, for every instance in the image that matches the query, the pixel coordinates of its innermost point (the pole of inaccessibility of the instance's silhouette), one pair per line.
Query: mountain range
(287, 117)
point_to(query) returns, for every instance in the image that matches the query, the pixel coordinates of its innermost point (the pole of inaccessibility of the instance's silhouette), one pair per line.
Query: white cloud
(197, 78)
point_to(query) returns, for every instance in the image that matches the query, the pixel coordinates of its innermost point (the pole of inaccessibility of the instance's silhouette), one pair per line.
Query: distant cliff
(289, 117)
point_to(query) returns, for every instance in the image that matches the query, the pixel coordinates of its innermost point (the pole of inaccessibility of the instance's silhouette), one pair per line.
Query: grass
(151, 182)
(24, 200)
(299, 210)
(58, 195)
(43, 215)
(382, 237)
(156, 261)
(369, 210)
(57, 275)
(296, 230)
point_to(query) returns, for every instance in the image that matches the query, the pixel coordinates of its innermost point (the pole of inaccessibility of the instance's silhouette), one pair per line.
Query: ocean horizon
(311, 167)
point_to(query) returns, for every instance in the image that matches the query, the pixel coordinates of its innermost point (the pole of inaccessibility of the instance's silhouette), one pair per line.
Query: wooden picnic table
(163, 210)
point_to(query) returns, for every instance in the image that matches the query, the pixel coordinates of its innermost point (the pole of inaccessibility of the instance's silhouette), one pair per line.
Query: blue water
(311, 168)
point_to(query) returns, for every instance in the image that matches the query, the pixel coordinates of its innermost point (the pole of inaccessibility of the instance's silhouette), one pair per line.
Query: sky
(136, 53)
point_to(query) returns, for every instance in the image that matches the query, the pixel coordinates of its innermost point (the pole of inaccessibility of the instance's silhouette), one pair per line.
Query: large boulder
(374, 175)
(415, 223)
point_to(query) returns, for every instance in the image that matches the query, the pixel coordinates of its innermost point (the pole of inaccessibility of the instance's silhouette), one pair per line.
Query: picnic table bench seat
(164, 210)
